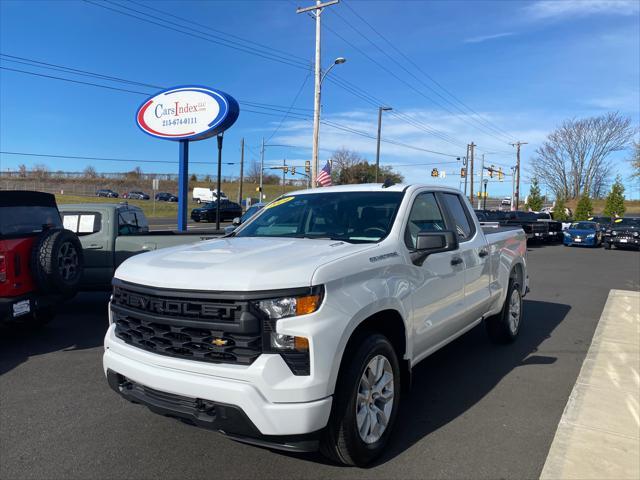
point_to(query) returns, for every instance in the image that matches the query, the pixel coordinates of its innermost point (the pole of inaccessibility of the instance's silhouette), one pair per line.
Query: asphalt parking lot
(476, 410)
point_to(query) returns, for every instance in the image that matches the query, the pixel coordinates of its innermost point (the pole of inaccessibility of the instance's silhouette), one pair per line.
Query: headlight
(566, 234)
(635, 234)
(614, 233)
(591, 235)
(284, 307)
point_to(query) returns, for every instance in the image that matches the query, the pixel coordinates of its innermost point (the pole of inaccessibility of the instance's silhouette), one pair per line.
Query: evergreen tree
(535, 201)
(559, 210)
(584, 208)
(615, 200)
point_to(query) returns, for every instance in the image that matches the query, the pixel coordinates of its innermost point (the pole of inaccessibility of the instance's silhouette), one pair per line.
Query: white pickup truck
(299, 330)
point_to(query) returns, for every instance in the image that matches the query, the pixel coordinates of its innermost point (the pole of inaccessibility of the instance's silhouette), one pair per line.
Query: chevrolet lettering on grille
(164, 306)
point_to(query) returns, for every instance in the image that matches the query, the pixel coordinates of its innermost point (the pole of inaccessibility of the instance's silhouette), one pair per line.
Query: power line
(295, 99)
(419, 69)
(201, 36)
(293, 114)
(77, 157)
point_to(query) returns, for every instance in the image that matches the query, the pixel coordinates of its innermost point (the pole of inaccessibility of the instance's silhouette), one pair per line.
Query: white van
(201, 195)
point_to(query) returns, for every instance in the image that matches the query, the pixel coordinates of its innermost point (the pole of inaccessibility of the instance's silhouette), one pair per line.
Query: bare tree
(342, 163)
(252, 174)
(90, 172)
(574, 159)
(40, 171)
(635, 159)
(22, 171)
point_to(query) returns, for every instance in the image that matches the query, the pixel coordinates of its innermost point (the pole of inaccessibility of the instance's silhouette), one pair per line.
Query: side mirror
(433, 242)
(236, 221)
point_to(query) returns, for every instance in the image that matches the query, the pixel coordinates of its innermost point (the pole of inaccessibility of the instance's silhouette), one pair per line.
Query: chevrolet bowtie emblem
(219, 342)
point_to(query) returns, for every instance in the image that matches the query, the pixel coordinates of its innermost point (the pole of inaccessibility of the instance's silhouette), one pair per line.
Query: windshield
(251, 212)
(356, 217)
(583, 226)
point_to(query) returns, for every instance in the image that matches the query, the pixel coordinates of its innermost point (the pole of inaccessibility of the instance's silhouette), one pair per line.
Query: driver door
(438, 284)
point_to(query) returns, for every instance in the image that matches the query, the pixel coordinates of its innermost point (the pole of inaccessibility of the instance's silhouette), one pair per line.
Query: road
(476, 410)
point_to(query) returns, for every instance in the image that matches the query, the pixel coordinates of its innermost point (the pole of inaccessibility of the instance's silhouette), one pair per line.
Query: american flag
(324, 178)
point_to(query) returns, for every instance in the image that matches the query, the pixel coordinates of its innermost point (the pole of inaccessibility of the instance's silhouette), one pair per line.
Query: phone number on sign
(180, 121)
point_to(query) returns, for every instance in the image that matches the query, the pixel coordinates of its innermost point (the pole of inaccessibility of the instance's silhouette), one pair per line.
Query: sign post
(184, 114)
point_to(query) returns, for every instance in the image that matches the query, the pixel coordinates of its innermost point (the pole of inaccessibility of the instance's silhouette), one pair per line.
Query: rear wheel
(504, 327)
(365, 403)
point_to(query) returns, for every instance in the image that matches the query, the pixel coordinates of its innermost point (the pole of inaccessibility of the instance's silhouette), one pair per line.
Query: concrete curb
(598, 436)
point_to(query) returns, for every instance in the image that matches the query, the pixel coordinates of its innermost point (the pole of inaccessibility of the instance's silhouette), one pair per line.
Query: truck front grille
(187, 326)
(202, 344)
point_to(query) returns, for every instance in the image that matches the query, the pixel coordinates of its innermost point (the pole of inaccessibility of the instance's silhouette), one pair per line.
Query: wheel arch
(390, 323)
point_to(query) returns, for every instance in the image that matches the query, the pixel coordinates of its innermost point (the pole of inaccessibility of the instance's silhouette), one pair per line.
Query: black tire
(607, 246)
(341, 441)
(197, 220)
(57, 262)
(198, 201)
(499, 327)
(40, 318)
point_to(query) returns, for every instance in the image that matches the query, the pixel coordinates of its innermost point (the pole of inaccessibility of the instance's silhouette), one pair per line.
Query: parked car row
(137, 195)
(536, 226)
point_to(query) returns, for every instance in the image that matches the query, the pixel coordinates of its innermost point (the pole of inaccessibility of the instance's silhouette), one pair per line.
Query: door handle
(483, 253)
(456, 261)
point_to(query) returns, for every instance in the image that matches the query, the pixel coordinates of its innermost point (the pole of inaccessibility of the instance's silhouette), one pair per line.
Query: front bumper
(227, 419)
(623, 241)
(587, 242)
(259, 390)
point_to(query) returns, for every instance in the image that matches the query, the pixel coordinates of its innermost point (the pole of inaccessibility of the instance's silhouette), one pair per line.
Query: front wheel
(504, 327)
(365, 403)
(607, 246)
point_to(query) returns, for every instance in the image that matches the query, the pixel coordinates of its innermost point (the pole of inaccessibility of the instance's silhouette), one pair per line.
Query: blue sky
(519, 69)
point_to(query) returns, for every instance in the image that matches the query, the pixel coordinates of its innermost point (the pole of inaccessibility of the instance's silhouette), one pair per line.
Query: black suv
(105, 192)
(623, 233)
(228, 211)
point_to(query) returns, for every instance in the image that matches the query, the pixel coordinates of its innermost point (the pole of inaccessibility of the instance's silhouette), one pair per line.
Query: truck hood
(236, 264)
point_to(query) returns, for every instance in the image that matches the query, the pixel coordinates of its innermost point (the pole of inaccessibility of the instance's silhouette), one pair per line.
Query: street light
(380, 110)
(316, 118)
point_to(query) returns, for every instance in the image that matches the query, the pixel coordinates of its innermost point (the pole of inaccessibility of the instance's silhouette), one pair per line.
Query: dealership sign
(187, 113)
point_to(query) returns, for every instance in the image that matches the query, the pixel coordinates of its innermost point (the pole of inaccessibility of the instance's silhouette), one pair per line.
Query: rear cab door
(474, 253)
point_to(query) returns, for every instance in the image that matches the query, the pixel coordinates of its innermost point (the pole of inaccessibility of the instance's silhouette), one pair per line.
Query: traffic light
(463, 172)
(307, 166)
(286, 169)
(491, 168)
(293, 170)
(434, 173)
(500, 174)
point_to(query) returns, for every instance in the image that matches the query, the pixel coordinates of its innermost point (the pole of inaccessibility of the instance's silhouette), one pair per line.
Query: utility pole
(317, 12)
(472, 146)
(380, 110)
(465, 164)
(284, 172)
(241, 171)
(513, 186)
(261, 167)
(517, 193)
(481, 178)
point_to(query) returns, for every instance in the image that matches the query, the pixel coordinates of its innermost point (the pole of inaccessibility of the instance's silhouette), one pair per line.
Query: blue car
(583, 233)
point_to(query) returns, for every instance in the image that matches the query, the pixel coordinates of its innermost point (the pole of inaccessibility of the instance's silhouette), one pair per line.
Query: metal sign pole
(183, 185)
(220, 137)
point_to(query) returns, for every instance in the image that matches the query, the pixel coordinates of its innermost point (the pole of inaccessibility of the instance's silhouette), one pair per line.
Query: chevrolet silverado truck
(299, 330)
(40, 262)
(111, 233)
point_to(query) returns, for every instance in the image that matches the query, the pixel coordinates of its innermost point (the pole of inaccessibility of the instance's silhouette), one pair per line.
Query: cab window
(127, 223)
(425, 216)
(463, 225)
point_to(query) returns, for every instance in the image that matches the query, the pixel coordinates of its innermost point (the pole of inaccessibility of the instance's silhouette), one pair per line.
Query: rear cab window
(82, 223)
(463, 224)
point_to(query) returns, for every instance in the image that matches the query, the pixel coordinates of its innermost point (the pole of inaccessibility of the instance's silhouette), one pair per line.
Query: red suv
(40, 261)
